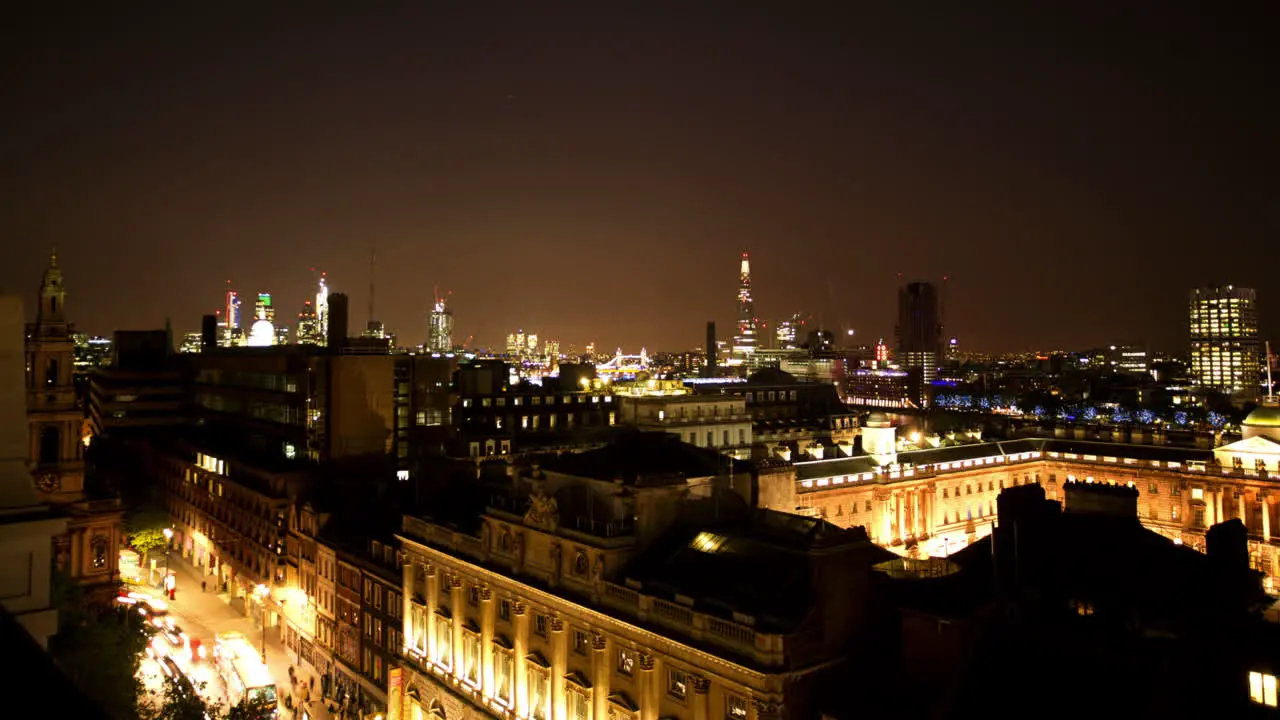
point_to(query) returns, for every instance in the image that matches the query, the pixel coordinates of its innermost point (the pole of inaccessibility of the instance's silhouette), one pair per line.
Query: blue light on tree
(1146, 417)
(1121, 415)
(1038, 411)
(1217, 420)
(1090, 414)
(984, 403)
(1181, 417)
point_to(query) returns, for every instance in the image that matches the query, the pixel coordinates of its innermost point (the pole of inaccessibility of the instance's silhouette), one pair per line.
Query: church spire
(52, 295)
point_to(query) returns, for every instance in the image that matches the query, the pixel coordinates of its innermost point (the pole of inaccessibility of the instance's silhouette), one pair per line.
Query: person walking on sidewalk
(204, 586)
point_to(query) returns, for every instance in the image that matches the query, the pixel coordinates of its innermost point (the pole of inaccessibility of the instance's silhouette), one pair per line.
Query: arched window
(50, 445)
(51, 373)
(53, 306)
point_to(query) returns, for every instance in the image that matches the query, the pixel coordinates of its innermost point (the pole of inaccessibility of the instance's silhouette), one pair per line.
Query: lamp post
(168, 539)
(261, 591)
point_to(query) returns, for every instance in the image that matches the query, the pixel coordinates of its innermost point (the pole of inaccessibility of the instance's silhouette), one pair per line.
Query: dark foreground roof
(32, 671)
(644, 458)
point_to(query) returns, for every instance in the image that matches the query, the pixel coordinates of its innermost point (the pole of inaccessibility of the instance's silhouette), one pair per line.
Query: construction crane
(467, 344)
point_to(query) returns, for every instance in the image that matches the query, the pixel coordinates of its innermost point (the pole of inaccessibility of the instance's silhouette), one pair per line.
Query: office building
(1224, 339)
(440, 328)
(746, 340)
(919, 333)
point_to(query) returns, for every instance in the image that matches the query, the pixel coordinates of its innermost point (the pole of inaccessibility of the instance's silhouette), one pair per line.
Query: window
(626, 661)
(377, 632)
(377, 597)
(677, 684)
(578, 706)
(473, 595)
(1154, 488)
(581, 642)
(503, 667)
(504, 610)
(539, 693)
(368, 591)
(471, 658)
(1262, 688)
(444, 648)
(735, 707)
(540, 625)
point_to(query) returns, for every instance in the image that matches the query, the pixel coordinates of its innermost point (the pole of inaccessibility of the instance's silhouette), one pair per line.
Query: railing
(625, 596)
(673, 612)
(731, 630)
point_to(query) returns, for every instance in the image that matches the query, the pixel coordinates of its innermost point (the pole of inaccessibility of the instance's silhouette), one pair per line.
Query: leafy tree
(251, 711)
(180, 701)
(100, 650)
(144, 541)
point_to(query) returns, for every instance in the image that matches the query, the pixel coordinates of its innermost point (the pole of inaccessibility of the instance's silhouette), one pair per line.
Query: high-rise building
(516, 343)
(792, 331)
(262, 333)
(322, 311)
(232, 332)
(308, 325)
(1224, 338)
(440, 327)
(745, 341)
(919, 332)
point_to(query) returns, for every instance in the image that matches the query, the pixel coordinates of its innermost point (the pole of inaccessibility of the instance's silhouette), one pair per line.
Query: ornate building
(616, 585)
(89, 552)
(935, 501)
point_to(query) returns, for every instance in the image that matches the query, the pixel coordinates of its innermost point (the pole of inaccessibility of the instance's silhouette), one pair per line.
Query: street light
(168, 538)
(261, 591)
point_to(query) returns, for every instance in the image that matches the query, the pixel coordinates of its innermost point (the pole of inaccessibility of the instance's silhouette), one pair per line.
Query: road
(203, 615)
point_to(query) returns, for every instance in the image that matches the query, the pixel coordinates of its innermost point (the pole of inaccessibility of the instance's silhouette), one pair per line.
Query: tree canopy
(182, 701)
(144, 541)
(100, 651)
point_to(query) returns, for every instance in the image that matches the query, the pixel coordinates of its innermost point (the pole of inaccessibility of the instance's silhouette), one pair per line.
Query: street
(204, 615)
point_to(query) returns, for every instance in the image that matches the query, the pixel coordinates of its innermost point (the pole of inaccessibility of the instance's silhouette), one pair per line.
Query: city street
(202, 616)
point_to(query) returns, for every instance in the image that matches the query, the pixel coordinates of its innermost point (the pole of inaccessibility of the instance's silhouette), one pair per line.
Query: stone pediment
(1256, 445)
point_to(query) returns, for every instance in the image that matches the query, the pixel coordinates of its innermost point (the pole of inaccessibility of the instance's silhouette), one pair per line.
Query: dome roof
(1264, 416)
(878, 420)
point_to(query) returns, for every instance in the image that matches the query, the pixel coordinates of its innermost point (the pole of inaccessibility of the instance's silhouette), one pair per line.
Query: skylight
(707, 542)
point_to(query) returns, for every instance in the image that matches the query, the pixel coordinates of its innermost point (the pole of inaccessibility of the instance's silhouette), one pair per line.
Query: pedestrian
(204, 586)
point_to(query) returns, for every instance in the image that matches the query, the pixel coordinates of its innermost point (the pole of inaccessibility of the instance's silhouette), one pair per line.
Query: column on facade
(916, 528)
(559, 666)
(432, 593)
(601, 671)
(886, 519)
(1186, 508)
(520, 648)
(1217, 504)
(701, 698)
(487, 681)
(766, 710)
(1244, 518)
(649, 692)
(457, 602)
(408, 584)
(897, 513)
(1209, 507)
(1266, 517)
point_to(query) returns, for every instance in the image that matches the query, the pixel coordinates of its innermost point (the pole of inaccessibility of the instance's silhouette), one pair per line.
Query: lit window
(1262, 688)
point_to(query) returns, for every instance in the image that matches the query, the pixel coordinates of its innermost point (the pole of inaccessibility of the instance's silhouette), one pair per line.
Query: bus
(242, 671)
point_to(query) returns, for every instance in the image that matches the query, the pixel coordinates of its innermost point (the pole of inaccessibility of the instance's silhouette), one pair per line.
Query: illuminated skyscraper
(919, 332)
(1224, 339)
(792, 331)
(440, 327)
(308, 328)
(322, 311)
(232, 332)
(745, 342)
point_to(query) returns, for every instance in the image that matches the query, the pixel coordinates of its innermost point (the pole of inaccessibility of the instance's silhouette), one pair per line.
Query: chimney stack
(711, 368)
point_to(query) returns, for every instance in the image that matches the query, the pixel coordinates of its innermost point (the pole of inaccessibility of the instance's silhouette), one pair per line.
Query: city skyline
(484, 156)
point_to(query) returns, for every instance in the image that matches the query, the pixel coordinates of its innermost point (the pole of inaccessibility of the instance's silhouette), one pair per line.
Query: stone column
(1244, 517)
(1266, 517)
(487, 618)
(408, 584)
(601, 672)
(916, 528)
(456, 604)
(898, 534)
(1217, 507)
(886, 520)
(1209, 507)
(432, 595)
(648, 687)
(520, 648)
(766, 710)
(559, 666)
(1186, 508)
(701, 699)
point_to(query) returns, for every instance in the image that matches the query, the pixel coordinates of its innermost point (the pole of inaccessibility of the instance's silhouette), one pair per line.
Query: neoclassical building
(90, 550)
(934, 501)
(626, 583)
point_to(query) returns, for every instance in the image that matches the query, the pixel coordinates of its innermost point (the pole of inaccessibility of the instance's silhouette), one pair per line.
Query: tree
(100, 652)
(180, 701)
(251, 711)
(144, 541)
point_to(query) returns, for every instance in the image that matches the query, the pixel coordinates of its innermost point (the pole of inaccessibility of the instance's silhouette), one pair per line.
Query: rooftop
(636, 457)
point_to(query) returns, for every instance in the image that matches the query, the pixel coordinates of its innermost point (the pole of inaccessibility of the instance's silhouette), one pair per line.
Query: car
(174, 635)
(198, 650)
(170, 667)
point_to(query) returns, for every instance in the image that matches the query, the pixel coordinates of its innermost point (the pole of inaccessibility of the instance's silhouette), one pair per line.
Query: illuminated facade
(1224, 339)
(88, 551)
(541, 614)
(308, 325)
(792, 332)
(940, 498)
(708, 421)
(440, 328)
(746, 340)
(322, 311)
(233, 334)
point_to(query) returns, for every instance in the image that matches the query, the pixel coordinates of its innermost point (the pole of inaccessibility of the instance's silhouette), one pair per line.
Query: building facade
(89, 551)
(746, 340)
(936, 501)
(709, 421)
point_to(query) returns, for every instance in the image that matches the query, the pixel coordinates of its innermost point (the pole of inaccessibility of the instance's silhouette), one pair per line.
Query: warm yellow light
(915, 438)
(168, 533)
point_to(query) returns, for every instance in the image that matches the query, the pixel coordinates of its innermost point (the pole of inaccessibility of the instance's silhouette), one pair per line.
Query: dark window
(51, 373)
(50, 445)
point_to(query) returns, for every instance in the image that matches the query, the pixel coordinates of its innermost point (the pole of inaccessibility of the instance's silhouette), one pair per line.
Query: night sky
(591, 171)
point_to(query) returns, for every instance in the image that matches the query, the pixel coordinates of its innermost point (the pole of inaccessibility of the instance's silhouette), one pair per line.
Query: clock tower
(90, 551)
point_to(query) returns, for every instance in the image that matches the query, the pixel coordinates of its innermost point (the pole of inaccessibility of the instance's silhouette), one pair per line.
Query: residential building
(709, 421)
